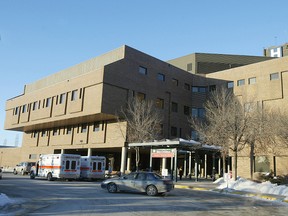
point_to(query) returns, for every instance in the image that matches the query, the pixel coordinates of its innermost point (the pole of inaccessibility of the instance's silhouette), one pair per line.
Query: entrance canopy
(177, 143)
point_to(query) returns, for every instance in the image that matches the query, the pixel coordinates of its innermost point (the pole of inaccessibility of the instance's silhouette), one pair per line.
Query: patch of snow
(242, 184)
(4, 200)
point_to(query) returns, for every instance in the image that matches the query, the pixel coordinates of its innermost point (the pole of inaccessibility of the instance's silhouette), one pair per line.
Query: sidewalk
(208, 185)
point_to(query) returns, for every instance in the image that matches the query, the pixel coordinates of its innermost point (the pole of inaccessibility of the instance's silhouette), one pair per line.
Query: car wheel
(151, 190)
(32, 176)
(14, 172)
(112, 188)
(49, 177)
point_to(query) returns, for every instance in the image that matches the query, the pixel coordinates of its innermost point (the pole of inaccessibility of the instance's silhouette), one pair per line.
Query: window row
(47, 102)
(251, 80)
(162, 77)
(82, 128)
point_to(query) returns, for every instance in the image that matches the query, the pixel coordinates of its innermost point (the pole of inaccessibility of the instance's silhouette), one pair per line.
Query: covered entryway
(168, 156)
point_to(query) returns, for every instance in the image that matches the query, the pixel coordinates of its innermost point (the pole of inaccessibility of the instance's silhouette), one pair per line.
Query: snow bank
(5, 200)
(242, 184)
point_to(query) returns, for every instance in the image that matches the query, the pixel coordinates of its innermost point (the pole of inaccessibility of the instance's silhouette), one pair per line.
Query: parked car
(0, 172)
(149, 182)
(23, 168)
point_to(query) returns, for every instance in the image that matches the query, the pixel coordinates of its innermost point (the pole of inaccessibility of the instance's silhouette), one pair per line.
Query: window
(32, 156)
(174, 107)
(99, 166)
(35, 105)
(73, 165)
(194, 135)
(35, 134)
(174, 131)
(16, 111)
(186, 110)
(141, 96)
(274, 76)
(67, 165)
(94, 167)
(198, 112)
(55, 132)
(230, 84)
(74, 95)
(194, 112)
(262, 164)
(48, 102)
(43, 133)
(84, 128)
(241, 82)
(252, 80)
(62, 98)
(187, 86)
(175, 82)
(201, 112)
(199, 89)
(96, 126)
(24, 108)
(160, 103)
(212, 88)
(142, 70)
(68, 130)
(161, 77)
(189, 67)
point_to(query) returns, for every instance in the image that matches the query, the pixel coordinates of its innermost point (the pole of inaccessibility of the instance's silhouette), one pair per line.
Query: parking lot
(42, 197)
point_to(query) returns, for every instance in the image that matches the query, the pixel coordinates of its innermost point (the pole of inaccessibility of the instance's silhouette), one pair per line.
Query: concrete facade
(264, 84)
(75, 110)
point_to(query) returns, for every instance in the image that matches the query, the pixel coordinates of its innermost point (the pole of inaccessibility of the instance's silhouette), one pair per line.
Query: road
(41, 197)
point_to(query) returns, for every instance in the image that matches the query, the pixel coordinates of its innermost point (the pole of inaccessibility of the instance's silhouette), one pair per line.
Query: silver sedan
(148, 182)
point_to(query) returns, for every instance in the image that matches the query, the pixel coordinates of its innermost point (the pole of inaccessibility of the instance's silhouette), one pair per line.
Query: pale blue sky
(39, 38)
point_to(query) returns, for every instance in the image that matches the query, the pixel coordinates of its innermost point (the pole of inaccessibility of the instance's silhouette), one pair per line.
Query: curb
(270, 197)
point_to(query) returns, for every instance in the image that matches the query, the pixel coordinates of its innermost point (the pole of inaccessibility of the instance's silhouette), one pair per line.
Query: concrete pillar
(62, 151)
(150, 163)
(164, 160)
(205, 166)
(123, 160)
(185, 167)
(190, 164)
(89, 152)
(219, 166)
(129, 161)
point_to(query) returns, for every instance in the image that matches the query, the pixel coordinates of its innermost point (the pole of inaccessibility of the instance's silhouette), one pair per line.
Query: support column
(89, 152)
(219, 166)
(175, 166)
(129, 161)
(62, 151)
(123, 160)
(190, 164)
(205, 166)
(150, 164)
(185, 166)
(164, 160)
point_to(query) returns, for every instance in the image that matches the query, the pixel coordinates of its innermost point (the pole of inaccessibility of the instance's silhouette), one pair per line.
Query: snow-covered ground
(249, 186)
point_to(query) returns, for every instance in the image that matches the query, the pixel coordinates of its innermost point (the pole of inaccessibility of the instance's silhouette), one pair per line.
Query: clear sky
(39, 38)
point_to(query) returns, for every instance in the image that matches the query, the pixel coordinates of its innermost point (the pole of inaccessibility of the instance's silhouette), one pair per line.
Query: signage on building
(276, 52)
(162, 153)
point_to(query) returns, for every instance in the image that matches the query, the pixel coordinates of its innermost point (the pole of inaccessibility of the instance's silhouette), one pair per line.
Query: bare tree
(143, 122)
(225, 124)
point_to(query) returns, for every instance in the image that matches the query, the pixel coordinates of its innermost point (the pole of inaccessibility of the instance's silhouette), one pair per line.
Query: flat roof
(180, 143)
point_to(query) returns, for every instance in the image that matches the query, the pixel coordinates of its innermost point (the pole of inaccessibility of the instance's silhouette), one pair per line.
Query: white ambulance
(92, 167)
(57, 166)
